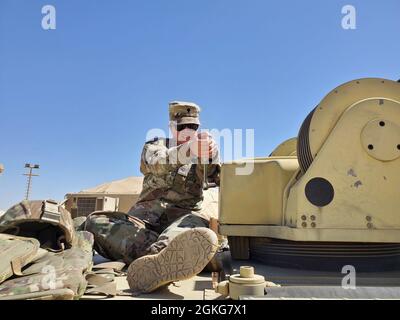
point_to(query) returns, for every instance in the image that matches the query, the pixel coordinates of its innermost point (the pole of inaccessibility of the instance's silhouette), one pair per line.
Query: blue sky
(80, 99)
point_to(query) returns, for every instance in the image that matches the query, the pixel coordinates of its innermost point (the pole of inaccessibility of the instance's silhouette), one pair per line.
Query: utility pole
(30, 175)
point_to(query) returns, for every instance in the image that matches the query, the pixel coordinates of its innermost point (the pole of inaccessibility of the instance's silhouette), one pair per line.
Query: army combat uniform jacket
(168, 205)
(173, 183)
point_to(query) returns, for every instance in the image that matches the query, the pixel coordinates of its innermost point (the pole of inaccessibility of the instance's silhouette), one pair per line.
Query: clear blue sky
(79, 100)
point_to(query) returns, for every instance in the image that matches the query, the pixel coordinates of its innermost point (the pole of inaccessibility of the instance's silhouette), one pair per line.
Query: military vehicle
(318, 216)
(326, 201)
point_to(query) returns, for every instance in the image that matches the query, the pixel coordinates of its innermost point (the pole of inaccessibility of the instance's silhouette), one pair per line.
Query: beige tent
(121, 195)
(130, 185)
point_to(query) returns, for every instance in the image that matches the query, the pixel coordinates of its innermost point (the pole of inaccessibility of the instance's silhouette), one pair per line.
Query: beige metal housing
(346, 188)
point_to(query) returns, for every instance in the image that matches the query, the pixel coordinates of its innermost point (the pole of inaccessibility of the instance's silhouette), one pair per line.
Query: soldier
(172, 240)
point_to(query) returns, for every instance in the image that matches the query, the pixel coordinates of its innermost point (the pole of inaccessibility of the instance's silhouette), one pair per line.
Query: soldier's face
(184, 133)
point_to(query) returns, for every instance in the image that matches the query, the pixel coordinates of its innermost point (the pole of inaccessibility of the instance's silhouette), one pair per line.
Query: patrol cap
(184, 112)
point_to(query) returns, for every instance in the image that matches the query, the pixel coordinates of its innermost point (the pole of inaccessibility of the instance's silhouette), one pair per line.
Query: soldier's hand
(204, 146)
(200, 147)
(206, 135)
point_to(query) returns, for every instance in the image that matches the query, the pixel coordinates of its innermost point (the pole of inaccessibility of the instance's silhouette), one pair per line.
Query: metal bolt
(304, 224)
(369, 225)
(313, 224)
(303, 217)
(313, 218)
(369, 218)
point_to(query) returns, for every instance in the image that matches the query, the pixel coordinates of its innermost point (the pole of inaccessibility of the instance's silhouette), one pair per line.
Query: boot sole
(184, 257)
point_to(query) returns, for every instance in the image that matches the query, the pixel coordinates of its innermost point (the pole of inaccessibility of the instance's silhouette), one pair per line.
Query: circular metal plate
(319, 192)
(381, 139)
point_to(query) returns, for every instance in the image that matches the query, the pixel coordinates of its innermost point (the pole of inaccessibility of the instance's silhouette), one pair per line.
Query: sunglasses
(191, 126)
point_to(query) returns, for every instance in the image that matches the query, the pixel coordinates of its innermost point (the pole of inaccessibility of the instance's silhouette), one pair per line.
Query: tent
(118, 195)
(121, 195)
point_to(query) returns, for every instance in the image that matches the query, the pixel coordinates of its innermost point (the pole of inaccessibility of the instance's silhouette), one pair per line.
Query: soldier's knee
(97, 224)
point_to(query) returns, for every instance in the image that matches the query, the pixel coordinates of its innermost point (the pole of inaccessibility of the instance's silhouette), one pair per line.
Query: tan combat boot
(185, 256)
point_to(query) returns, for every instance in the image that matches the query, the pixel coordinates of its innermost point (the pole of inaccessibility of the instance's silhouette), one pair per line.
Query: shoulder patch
(158, 141)
(155, 139)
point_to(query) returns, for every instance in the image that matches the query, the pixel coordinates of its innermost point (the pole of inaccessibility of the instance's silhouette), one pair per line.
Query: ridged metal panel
(304, 154)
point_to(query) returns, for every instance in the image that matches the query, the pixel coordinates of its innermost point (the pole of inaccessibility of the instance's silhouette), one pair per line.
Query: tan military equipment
(334, 192)
(245, 283)
(286, 148)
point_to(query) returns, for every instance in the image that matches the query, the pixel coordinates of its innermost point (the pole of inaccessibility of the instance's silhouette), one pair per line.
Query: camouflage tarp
(60, 275)
(16, 252)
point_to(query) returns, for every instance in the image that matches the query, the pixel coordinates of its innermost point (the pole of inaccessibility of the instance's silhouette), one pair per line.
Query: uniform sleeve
(214, 169)
(158, 159)
(213, 173)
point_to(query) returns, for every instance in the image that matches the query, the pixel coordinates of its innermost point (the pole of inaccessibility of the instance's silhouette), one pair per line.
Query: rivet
(313, 224)
(304, 224)
(313, 218)
(369, 225)
(303, 217)
(368, 218)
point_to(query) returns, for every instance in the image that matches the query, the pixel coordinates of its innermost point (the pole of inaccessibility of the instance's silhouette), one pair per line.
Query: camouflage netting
(54, 275)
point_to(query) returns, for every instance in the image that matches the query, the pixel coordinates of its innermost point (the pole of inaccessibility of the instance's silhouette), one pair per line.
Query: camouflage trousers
(147, 229)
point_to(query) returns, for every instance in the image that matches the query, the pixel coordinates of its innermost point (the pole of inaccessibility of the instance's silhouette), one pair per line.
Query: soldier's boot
(185, 256)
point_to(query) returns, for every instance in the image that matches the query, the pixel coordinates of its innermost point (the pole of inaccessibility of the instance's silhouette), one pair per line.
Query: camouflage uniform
(56, 273)
(170, 199)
